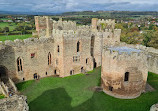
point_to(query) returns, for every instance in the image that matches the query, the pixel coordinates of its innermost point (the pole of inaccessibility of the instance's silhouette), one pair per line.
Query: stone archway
(3, 74)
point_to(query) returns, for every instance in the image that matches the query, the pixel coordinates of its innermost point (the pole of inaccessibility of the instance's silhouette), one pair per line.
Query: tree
(1, 30)
(6, 29)
(147, 37)
(153, 40)
(134, 29)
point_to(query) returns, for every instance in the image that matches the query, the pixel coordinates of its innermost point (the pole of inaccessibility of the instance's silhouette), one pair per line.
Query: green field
(5, 24)
(75, 93)
(13, 37)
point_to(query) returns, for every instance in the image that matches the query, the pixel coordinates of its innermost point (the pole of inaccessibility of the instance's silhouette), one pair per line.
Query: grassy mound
(74, 94)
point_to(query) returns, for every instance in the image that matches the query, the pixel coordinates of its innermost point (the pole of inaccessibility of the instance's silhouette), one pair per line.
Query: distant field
(5, 19)
(13, 37)
(5, 24)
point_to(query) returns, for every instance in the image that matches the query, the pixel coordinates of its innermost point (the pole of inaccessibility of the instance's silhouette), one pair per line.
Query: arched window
(19, 64)
(58, 49)
(78, 46)
(49, 58)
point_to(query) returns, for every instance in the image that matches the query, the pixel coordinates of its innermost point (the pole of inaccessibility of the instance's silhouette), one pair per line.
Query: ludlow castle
(64, 49)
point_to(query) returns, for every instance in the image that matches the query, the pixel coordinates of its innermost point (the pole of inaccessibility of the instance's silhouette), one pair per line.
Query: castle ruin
(65, 49)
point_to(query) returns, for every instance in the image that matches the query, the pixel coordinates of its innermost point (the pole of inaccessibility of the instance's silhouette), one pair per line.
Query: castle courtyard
(77, 93)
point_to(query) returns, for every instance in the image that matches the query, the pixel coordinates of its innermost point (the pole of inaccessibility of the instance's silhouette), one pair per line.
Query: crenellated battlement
(26, 42)
(141, 47)
(108, 21)
(64, 22)
(124, 53)
(112, 33)
(64, 25)
(84, 27)
(70, 33)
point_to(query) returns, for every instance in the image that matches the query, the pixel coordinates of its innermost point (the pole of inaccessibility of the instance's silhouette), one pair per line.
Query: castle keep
(124, 72)
(65, 49)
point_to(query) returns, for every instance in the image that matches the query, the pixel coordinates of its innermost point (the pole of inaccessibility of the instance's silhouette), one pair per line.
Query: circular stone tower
(124, 72)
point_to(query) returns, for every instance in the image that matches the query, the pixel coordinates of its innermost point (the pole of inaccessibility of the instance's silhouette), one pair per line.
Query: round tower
(124, 72)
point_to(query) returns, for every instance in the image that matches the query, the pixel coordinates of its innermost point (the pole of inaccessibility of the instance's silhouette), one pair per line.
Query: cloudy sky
(56, 6)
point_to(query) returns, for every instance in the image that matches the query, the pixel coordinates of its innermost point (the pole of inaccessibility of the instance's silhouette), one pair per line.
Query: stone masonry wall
(114, 67)
(152, 55)
(14, 103)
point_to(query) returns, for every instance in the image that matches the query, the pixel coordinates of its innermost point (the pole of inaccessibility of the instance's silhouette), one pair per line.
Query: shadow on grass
(59, 100)
(52, 100)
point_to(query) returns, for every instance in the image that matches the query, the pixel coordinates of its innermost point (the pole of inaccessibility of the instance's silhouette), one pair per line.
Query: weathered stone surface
(154, 107)
(14, 103)
(62, 35)
(57, 52)
(124, 72)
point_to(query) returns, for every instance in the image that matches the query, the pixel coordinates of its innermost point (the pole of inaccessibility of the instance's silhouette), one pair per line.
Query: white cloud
(77, 5)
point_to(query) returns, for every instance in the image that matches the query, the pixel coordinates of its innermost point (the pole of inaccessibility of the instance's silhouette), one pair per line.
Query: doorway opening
(3, 74)
(35, 76)
(94, 63)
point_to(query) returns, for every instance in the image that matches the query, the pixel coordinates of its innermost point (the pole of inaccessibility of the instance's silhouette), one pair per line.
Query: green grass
(75, 93)
(2, 96)
(23, 86)
(13, 37)
(5, 24)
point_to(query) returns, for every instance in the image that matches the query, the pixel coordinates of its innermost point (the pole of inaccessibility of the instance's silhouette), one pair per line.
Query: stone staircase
(8, 88)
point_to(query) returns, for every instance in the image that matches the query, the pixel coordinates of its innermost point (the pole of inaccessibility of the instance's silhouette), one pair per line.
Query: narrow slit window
(126, 78)
(58, 48)
(49, 58)
(78, 46)
(86, 61)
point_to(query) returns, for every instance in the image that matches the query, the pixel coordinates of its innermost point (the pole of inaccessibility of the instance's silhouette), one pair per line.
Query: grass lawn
(13, 37)
(5, 24)
(75, 93)
(2, 96)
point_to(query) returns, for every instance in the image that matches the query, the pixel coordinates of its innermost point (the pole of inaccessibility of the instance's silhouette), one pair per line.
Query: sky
(57, 6)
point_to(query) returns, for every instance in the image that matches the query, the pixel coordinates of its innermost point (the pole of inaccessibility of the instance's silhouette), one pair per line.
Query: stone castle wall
(14, 103)
(45, 25)
(152, 55)
(101, 24)
(62, 35)
(23, 50)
